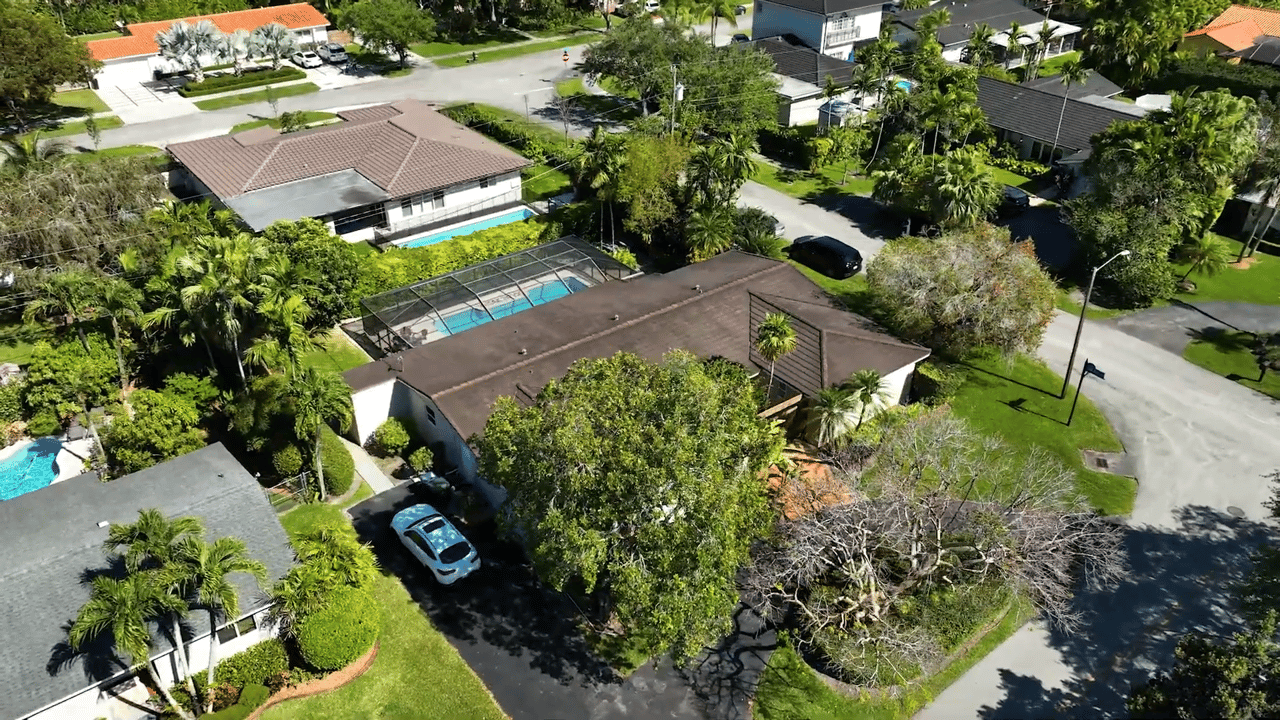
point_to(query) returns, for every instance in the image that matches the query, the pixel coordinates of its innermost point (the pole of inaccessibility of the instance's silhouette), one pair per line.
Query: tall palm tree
(189, 44)
(832, 416)
(709, 232)
(286, 337)
(775, 338)
(121, 302)
(207, 567)
(67, 293)
(173, 311)
(1013, 45)
(1072, 72)
(225, 275)
(930, 23)
(318, 399)
(964, 191)
(704, 178)
(235, 48)
(868, 388)
(938, 109)
(1044, 37)
(275, 41)
(1205, 255)
(979, 51)
(599, 166)
(864, 80)
(894, 103)
(125, 608)
(151, 543)
(24, 153)
(739, 160)
(717, 9)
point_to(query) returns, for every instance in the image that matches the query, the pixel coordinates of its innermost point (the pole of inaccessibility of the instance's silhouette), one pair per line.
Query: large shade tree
(389, 26)
(36, 57)
(639, 481)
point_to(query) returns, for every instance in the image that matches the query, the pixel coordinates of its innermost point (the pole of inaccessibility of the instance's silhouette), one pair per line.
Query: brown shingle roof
(141, 38)
(704, 308)
(404, 148)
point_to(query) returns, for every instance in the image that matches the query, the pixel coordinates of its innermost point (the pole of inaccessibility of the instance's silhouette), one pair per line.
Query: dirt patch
(1244, 264)
(341, 37)
(806, 486)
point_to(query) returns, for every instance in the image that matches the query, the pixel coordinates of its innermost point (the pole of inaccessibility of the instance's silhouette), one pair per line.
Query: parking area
(521, 638)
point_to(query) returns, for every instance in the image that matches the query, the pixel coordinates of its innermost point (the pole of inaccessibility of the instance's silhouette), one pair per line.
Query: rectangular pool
(483, 224)
(467, 318)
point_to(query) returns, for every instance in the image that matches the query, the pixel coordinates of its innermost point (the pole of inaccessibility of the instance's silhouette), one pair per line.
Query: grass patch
(83, 99)
(806, 186)
(362, 493)
(518, 50)
(415, 661)
(1068, 304)
(122, 151)
(308, 117)
(256, 96)
(17, 340)
(574, 86)
(364, 248)
(610, 84)
(1005, 177)
(543, 181)
(1259, 284)
(1053, 66)
(338, 354)
(850, 291)
(99, 36)
(480, 40)
(76, 127)
(1017, 400)
(1228, 354)
(592, 21)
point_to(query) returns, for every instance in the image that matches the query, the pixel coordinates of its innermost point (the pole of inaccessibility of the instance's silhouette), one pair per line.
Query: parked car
(436, 543)
(741, 38)
(1014, 202)
(306, 59)
(740, 10)
(827, 255)
(332, 52)
(651, 6)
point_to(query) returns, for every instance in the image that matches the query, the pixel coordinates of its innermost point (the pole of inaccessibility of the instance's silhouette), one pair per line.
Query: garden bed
(226, 82)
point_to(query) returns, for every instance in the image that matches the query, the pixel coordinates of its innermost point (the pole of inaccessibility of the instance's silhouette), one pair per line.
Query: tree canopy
(639, 481)
(162, 426)
(389, 25)
(36, 56)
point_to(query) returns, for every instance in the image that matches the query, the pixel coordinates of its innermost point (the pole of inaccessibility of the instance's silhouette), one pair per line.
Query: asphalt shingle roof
(967, 14)
(805, 64)
(404, 148)
(51, 538)
(1094, 85)
(827, 7)
(1034, 113)
(141, 39)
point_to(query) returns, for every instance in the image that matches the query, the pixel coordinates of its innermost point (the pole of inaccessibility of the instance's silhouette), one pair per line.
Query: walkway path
(1175, 326)
(367, 469)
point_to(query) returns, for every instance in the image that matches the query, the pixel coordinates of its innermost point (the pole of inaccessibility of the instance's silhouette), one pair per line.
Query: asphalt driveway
(1173, 327)
(523, 641)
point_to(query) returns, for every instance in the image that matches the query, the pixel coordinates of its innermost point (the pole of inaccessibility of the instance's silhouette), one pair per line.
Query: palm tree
(979, 51)
(1072, 72)
(1013, 45)
(225, 276)
(1206, 255)
(1043, 39)
(25, 152)
(337, 551)
(151, 544)
(274, 41)
(868, 388)
(318, 399)
(704, 178)
(831, 416)
(190, 44)
(717, 9)
(172, 310)
(125, 608)
(286, 338)
(302, 591)
(207, 567)
(865, 80)
(895, 102)
(937, 108)
(599, 166)
(964, 191)
(121, 302)
(67, 293)
(930, 23)
(709, 232)
(739, 160)
(236, 48)
(775, 338)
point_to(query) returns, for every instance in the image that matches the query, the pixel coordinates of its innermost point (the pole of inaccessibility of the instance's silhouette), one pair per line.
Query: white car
(651, 6)
(436, 543)
(306, 59)
(333, 52)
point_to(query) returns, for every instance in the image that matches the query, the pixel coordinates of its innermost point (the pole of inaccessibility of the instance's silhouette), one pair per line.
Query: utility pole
(526, 107)
(677, 94)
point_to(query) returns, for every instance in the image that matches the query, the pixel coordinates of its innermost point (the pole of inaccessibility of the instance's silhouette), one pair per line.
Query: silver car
(332, 52)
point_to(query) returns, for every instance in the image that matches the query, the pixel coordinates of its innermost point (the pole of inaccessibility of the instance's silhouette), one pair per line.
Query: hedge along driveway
(257, 96)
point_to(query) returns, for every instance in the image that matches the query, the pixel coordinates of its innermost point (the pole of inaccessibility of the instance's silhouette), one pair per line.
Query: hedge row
(539, 143)
(251, 78)
(340, 632)
(1211, 73)
(339, 468)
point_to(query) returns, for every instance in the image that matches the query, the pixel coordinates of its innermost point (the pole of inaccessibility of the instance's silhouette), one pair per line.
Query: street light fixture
(1066, 376)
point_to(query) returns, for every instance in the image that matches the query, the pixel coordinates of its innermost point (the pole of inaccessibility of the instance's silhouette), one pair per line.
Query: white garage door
(125, 72)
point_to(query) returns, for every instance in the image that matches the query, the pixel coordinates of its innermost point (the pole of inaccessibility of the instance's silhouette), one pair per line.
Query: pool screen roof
(425, 311)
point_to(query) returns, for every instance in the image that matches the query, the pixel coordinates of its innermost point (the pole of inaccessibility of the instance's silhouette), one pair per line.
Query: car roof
(1015, 191)
(411, 515)
(443, 537)
(830, 243)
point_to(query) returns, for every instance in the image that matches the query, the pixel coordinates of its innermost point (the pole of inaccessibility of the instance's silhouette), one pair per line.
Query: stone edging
(332, 681)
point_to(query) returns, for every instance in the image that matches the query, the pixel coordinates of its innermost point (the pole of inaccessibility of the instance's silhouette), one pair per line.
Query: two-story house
(1000, 16)
(832, 27)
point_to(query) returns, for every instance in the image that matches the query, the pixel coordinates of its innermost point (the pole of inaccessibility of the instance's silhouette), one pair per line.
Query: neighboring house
(1029, 118)
(1095, 85)
(1265, 52)
(448, 385)
(386, 172)
(136, 57)
(832, 27)
(999, 15)
(1237, 28)
(802, 75)
(53, 540)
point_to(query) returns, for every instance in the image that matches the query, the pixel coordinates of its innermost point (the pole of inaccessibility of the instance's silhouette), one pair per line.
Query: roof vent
(103, 523)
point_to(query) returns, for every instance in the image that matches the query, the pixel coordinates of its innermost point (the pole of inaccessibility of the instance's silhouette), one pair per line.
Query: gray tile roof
(404, 148)
(51, 539)
(827, 7)
(795, 60)
(1095, 84)
(705, 308)
(1034, 113)
(1265, 51)
(966, 14)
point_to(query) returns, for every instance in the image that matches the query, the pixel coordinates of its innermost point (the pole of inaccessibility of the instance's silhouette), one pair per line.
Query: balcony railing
(840, 37)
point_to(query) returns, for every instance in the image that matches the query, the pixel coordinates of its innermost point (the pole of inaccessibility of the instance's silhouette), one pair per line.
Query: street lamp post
(1066, 376)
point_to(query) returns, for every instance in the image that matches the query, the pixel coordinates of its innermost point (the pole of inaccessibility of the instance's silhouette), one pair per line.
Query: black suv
(827, 255)
(1014, 202)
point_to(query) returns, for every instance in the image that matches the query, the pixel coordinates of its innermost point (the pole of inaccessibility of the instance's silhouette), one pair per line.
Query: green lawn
(339, 354)
(122, 151)
(256, 96)
(417, 669)
(1053, 66)
(543, 181)
(1259, 284)
(84, 99)
(588, 22)
(17, 339)
(76, 127)
(482, 39)
(1067, 304)
(806, 186)
(551, 46)
(308, 117)
(1005, 177)
(611, 85)
(570, 87)
(99, 36)
(851, 291)
(1228, 355)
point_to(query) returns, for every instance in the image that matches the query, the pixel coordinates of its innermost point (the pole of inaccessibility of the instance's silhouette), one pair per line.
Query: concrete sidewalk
(367, 469)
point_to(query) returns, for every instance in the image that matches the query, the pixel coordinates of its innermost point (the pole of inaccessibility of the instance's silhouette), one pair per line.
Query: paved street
(1176, 325)
(1202, 445)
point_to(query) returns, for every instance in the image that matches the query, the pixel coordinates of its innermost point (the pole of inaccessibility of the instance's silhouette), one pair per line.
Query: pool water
(904, 84)
(513, 216)
(32, 467)
(467, 318)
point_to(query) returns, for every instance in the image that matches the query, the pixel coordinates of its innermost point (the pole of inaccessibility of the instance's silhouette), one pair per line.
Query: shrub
(287, 461)
(390, 438)
(340, 632)
(1026, 168)
(11, 402)
(229, 81)
(626, 257)
(935, 383)
(44, 423)
(254, 696)
(339, 468)
(253, 666)
(422, 459)
(537, 142)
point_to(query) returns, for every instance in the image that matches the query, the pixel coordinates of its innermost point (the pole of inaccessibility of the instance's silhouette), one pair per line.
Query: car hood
(409, 516)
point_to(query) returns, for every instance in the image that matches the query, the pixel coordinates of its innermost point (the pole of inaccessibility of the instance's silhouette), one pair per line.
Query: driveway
(853, 220)
(522, 639)
(1202, 446)
(1175, 326)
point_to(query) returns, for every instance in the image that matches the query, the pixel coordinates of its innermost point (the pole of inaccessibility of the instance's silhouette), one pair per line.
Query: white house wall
(458, 200)
(954, 53)
(770, 20)
(803, 112)
(372, 406)
(866, 26)
(898, 384)
(444, 440)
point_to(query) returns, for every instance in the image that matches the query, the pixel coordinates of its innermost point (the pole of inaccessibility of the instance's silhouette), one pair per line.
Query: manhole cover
(1234, 511)
(1101, 462)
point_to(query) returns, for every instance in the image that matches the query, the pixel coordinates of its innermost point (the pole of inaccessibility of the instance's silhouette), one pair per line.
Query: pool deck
(71, 457)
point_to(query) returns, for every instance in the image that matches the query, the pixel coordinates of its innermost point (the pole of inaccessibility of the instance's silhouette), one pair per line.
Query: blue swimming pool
(467, 318)
(513, 216)
(904, 84)
(30, 468)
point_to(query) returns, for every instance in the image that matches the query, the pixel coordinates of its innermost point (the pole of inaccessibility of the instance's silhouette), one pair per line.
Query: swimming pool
(904, 84)
(30, 468)
(514, 216)
(467, 318)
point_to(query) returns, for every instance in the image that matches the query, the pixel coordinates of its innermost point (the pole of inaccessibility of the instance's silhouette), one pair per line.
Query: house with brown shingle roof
(1238, 27)
(135, 57)
(383, 173)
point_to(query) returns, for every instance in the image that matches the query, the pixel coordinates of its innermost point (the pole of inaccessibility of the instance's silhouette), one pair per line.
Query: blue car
(436, 543)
